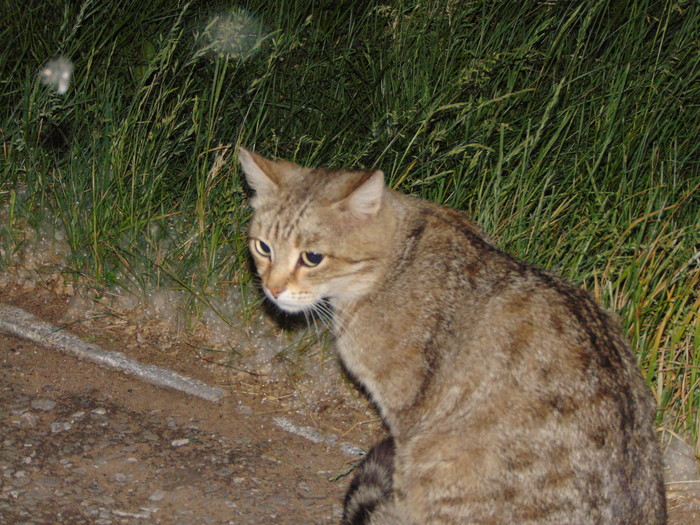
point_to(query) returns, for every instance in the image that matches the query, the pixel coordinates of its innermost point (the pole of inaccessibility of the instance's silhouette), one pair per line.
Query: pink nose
(275, 290)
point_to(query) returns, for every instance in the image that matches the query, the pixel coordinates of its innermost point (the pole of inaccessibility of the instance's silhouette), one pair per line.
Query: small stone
(21, 482)
(121, 478)
(350, 449)
(60, 426)
(105, 500)
(157, 496)
(180, 442)
(149, 436)
(212, 488)
(136, 515)
(43, 404)
(245, 410)
(99, 411)
(28, 419)
(49, 482)
(224, 472)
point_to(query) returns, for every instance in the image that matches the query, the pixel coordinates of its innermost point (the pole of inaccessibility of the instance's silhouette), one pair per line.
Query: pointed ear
(365, 200)
(260, 172)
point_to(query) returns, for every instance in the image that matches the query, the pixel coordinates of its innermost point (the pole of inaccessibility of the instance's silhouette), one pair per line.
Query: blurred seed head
(235, 33)
(57, 74)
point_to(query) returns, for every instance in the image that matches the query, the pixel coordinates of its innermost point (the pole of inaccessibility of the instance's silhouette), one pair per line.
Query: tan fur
(511, 396)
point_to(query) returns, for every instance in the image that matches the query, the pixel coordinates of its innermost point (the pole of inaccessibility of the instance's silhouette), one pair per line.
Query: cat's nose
(275, 290)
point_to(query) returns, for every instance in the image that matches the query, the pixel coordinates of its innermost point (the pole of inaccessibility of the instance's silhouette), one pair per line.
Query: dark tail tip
(371, 485)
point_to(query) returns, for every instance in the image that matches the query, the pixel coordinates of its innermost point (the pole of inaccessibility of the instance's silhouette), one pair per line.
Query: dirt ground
(81, 444)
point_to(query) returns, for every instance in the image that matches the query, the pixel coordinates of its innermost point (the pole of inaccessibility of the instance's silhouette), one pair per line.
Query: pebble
(212, 488)
(180, 442)
(28, 419)
(60, 426)
(136, 515)
(43, 404)
(245, 410)
(20, 482)
(121, 479)
(157, 496)
(350, 450)
(224, 472)
(149, 436)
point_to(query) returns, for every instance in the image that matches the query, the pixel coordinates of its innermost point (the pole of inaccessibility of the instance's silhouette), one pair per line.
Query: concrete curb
(17, 322)
(315, 437)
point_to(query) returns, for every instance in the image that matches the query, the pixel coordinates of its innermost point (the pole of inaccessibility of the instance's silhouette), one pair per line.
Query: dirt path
(81, 444)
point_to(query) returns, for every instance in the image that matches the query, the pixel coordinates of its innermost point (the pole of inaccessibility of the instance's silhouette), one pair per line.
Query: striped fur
(371, 485)
(510, 396)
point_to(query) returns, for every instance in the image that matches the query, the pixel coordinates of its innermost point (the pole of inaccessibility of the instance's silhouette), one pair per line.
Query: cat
(510, 397)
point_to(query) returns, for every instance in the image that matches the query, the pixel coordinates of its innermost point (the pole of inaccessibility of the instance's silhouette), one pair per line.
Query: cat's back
(558, 418)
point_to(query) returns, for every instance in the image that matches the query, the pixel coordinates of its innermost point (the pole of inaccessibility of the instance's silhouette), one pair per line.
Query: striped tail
(371, 485)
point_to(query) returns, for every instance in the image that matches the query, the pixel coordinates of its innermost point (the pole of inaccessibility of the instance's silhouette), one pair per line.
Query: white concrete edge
(19, 323)
(315, 437)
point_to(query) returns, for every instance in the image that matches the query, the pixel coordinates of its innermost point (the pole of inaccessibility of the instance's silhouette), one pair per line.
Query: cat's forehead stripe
(286, 218)
(277, 227)
(294, 221)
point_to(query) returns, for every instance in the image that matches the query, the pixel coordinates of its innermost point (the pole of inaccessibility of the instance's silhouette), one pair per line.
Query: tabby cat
(509, 395)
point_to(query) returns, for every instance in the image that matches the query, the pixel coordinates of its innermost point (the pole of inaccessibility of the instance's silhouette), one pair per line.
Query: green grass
(569, 130)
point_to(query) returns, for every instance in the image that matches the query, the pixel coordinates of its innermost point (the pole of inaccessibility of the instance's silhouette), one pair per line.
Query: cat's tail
(371, 485)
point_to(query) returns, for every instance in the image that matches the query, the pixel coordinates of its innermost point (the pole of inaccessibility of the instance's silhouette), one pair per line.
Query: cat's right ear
(260, 172)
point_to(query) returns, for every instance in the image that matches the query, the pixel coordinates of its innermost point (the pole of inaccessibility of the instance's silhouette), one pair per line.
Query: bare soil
(81, 444)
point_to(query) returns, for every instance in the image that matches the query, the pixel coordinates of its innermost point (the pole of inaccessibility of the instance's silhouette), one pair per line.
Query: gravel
(89, 449)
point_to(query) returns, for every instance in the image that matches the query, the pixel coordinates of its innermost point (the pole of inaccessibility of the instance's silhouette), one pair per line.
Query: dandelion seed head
(57, 73)
(235, 33)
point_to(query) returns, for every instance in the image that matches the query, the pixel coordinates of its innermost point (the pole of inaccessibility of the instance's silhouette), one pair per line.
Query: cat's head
(316, 234)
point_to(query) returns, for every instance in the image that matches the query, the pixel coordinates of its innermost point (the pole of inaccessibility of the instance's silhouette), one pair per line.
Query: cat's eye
(311, 259)
(262, 248)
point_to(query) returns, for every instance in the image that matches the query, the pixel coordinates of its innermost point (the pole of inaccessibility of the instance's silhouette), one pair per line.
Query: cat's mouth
(292, 304)
(293, 307)
(321, 307)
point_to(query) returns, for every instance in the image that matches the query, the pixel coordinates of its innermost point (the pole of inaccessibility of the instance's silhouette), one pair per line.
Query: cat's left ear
(366, 199)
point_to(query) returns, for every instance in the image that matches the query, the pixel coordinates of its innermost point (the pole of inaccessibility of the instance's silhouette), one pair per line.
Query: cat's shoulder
(438, 220)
